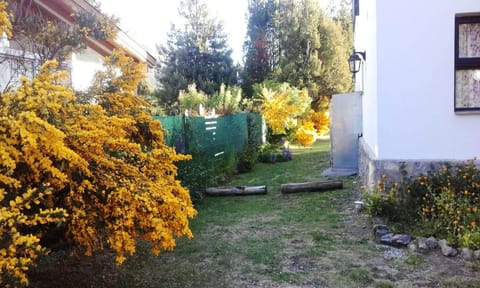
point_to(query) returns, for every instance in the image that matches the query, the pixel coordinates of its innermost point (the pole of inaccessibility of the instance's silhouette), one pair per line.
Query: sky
(148, 21)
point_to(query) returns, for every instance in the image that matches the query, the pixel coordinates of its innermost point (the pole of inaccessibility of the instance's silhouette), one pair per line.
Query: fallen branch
(311, 186)
(237, 190)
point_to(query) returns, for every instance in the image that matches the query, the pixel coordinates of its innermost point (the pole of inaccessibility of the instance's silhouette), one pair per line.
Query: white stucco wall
(365, 80)
(408, 97)
(84, 65)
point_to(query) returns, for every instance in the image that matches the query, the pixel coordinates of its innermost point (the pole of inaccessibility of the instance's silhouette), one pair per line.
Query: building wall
(409, 81)
(366, 79)
(84, 65)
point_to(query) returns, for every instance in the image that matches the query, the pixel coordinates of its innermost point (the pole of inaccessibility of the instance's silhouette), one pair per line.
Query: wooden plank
(311, 186)
(237, 190)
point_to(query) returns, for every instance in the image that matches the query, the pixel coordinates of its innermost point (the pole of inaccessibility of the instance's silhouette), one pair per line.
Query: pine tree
(198, 55)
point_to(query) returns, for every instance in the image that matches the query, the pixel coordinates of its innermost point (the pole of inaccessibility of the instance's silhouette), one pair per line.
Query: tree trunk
(237, 190)
(311, 186)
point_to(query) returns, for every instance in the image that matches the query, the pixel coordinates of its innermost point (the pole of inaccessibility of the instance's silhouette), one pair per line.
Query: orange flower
(474, 223)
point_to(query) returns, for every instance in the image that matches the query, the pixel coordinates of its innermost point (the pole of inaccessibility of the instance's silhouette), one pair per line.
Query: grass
(273, 240)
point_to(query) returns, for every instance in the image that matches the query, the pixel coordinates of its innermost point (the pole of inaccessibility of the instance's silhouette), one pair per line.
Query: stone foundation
(370, 170)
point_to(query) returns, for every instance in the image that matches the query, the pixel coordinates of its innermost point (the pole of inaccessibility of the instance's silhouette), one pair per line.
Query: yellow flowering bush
(321, 121)
(100, 172)
(5, 24)
(321, 116)
(26, 179)
(287, 111)
(134, 191)
(305, 133)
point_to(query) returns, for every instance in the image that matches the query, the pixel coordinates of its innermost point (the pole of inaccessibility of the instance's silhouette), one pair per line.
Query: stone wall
(370, 170)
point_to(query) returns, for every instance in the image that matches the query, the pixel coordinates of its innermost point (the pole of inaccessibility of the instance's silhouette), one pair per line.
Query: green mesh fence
(172, 127)
(211, 137)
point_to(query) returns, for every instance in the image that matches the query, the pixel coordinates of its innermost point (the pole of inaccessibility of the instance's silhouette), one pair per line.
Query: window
(467, 63)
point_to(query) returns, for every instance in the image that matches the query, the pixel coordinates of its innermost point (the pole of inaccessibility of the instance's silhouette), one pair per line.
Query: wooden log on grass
(311, 186)
(237, 190)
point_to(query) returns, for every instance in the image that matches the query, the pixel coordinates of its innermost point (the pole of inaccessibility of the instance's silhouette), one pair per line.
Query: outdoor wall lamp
(355, 61)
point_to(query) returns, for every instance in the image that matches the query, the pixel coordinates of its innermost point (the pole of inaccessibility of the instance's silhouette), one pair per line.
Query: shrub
(444, 203)
(305, 133)
(247, 159)
(321, 121)
(191, 99)
(287, 113)
(270, 153)
(196, 175)
(100, 172)
(226, 101)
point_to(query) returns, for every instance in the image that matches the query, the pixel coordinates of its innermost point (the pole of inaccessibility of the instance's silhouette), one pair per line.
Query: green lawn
(274, 240)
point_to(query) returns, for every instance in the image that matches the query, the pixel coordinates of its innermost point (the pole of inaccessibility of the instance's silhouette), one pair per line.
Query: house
(420, 84)
(83, 64)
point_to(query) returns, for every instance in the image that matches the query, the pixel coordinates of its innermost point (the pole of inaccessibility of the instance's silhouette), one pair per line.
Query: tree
(198, 55)
(261, 47)
(336, 39)
(300, 43)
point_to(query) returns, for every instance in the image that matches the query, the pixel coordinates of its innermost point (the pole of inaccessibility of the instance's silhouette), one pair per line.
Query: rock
(442, 243)
(401, 239)
(387, 238)
(379, 231)
(426, 244)
(449, 251)
(476, 254)
(446, 249)
(422, 244)
(467, 253)
(431, 242)
(412, 247)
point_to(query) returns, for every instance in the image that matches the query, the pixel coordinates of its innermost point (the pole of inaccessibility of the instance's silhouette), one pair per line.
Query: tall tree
(261, 46)
(295, 41)
(197, 54)
(335, 77)
(300, 43)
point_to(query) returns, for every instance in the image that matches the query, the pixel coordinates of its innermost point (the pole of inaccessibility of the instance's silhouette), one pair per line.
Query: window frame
(470, 63)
